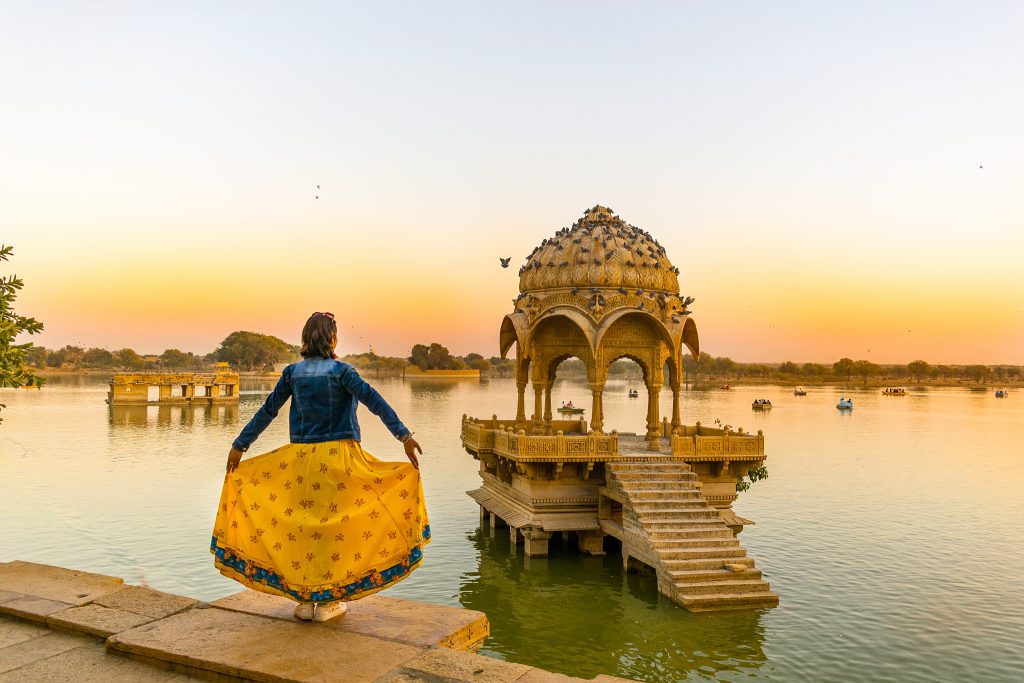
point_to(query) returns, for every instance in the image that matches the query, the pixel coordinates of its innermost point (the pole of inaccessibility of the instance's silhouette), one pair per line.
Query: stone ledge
(262, 648)
(56, 583)
(406, 621)
(96, 620)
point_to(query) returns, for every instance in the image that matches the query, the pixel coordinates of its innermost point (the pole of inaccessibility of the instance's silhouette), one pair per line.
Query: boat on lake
(724, 386)
(799, 391)
(845, 404)
(761, 404)
(1002, 393)
(894, 391)
(633, 393)
(570, 409)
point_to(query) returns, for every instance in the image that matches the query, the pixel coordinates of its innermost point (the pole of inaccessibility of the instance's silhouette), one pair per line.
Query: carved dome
(599, 250)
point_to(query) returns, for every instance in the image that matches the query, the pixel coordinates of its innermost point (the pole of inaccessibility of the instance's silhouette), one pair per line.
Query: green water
(892, 534)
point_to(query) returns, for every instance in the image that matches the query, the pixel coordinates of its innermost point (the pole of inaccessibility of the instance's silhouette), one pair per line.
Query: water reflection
(166, 416)
(584, 616)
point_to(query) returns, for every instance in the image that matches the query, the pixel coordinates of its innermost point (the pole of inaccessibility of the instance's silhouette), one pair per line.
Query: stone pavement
(62, 625)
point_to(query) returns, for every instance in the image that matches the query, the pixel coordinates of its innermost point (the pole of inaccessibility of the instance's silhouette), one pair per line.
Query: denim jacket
(324, 395)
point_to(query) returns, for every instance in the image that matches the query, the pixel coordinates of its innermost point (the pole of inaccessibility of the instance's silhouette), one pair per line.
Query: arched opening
(552, 341)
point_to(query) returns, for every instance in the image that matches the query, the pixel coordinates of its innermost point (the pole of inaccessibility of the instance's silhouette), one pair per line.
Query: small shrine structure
(600, 291)
(155, 388)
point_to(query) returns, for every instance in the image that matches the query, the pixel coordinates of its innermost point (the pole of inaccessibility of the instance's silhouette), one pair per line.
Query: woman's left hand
(234, 456)
(411, 447)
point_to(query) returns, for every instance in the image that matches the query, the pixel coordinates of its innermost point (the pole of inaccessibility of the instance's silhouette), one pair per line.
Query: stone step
(674, 508)
(715, 574)
(703, 563)
(687, 524)
(650, 467)
(648, 497)
(671, 539)
(714, 603)
(667, 533)
(681, 487)
(661, 473)
(704, 553)
(726, 587)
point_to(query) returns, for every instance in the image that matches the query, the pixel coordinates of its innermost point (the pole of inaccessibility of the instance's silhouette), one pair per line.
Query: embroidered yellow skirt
(320, 522)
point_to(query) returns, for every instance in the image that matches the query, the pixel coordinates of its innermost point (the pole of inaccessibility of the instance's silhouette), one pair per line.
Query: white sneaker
(304, 611)
(329, 610)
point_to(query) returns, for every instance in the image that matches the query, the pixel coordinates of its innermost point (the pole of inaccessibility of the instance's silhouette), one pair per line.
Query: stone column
(536, 542)
(597, 414)
(521, 404)
(547, 407)
(677, 421)
(538, 403)
(653, 430)
(591, 542)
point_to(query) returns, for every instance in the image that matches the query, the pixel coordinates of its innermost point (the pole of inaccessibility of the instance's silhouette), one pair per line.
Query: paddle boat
(570, 409)
(894, 391)
(633, 393)
(845, 404)
(724, 386)
(761, 404)
(799, 391)
(1002, 393)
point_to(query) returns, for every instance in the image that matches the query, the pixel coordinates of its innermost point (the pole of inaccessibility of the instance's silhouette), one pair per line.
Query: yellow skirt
(319, 522)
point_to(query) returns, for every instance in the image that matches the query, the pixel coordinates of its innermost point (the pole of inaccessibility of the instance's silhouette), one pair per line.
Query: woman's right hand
(411, 447)
(234, 456)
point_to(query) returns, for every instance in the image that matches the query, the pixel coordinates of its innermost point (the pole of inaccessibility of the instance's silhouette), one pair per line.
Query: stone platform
(63, 625)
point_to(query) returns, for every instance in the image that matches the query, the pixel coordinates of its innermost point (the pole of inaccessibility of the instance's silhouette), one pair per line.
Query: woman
(320, 520)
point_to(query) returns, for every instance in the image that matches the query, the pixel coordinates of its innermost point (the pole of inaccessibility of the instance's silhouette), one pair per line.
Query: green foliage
(173, 359)
(253, 351)
(918, 369)
(843, 368)
(753, 474)
(69, 355)
(128, 359)
(14, 370)
(435, 357)
(789, 367)
(98, 358)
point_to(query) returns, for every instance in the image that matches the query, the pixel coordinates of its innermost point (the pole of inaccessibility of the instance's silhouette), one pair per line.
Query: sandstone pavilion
(599, 291)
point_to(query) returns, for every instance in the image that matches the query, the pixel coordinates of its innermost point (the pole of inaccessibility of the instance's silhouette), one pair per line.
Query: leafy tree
(177, 360)
(128, 358)
(13, 363)
(471, 357)
(815, 370)
(843, 367)
(434, 357)
(481, 364)
(69, 355)
(865, 369)
(918, 369)
(97, 358)
(36, 356)
(253, 351)
(979, 373)
(790, 367)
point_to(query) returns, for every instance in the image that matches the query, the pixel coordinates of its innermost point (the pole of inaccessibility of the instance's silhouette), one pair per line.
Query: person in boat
(320, 520)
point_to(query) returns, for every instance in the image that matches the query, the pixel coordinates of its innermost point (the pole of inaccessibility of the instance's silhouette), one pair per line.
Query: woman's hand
(411, 447)
(234, 456)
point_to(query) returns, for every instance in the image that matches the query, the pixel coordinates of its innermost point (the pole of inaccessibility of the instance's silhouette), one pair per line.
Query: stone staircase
(667, 525)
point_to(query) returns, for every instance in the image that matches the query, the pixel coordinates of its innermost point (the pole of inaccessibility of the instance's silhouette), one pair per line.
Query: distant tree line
(845, 369)
(438, 357)
(249, 351)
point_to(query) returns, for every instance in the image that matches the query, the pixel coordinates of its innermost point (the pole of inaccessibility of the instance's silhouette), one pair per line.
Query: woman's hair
(317, 334)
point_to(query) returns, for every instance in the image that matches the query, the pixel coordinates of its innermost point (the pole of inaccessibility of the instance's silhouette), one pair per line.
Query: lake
(893, 533)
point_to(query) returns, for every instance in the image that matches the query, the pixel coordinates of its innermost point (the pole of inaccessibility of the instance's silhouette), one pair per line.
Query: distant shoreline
(698, 384)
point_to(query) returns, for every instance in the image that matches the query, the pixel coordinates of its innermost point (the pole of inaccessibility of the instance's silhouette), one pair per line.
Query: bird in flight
(981, 166)
(504, 261)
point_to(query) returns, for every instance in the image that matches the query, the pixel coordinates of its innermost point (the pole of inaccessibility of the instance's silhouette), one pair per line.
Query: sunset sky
(812, 168)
